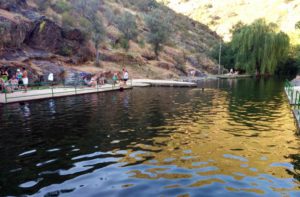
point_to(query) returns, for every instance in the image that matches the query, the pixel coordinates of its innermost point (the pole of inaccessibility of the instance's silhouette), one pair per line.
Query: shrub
(159, 30)
(68, 20)
(127, 25)
(61, 6)
(65, 51)
(43, 4)
(124, 43)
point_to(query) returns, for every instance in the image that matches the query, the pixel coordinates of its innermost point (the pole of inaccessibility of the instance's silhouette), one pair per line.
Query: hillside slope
(221, 16)
(34, 34)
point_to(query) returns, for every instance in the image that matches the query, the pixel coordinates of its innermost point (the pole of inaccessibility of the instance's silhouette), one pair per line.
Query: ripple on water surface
(235, 139)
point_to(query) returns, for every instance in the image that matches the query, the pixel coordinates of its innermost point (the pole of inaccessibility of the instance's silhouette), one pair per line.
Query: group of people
(121, 77)
(232, 72)
(11, 81)
(100, 79)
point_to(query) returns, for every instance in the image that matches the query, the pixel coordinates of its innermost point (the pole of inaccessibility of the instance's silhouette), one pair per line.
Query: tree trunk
(97, 62)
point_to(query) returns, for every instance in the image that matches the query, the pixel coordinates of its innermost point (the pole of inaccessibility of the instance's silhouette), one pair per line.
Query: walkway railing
(52, 90)
(294, 97)
(289, 89)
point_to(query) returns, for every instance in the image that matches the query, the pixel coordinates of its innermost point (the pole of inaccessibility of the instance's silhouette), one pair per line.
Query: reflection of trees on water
(296, 163)
(253, 100)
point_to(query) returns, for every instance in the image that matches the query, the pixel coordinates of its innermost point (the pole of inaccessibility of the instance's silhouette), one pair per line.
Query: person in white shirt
(125, 76)
(51, 78)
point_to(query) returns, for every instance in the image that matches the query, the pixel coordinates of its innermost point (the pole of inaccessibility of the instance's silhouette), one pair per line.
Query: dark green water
(236, 138)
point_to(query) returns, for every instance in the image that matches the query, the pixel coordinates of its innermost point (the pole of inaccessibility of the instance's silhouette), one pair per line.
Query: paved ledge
(234, 76)
(55, 92)
(164, 83)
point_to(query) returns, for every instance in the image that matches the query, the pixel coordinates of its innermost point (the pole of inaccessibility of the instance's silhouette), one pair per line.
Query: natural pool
(235, 138)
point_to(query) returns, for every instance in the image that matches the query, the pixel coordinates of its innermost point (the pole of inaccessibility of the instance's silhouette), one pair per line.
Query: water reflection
(236, 138)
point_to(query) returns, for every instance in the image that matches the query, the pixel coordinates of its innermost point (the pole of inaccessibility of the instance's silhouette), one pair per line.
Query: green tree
(227, 55)
(127, 24)
(297, 25)
(259, 47)
(98, 35)
(159, 30)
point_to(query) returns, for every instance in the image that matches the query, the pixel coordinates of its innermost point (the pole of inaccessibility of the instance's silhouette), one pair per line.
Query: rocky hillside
(52, 36)
(221, 16)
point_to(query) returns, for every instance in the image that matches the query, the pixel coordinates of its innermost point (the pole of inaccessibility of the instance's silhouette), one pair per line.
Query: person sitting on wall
(13, 83)
(93, 81)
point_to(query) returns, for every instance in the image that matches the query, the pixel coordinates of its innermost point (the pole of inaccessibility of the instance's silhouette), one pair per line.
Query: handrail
(50, 89)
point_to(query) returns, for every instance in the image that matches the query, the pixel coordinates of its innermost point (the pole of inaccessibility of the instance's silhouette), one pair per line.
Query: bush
(65, 51)
(144, 5)
(127, 25)
(43, 4)
(142, 43)
(124, 43)
(159, 30)
(61, 6)
(68, 20)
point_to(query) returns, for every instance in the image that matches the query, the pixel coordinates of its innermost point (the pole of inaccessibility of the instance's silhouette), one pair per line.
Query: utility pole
(220, 51)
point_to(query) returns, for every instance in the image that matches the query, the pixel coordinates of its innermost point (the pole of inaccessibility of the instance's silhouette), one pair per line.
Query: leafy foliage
(259, 47)
(61, 6)
(227, 55)
(127, 24)
(159, 31)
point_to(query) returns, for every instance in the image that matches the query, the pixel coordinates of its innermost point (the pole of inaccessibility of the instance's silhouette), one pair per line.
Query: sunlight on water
(236, 138)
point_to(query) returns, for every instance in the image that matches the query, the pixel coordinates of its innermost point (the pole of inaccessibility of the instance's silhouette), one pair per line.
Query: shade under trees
(260, 47)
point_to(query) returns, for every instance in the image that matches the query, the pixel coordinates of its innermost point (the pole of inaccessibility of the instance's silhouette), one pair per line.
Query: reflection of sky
(25, 110)
(52, 106)
(168, 142)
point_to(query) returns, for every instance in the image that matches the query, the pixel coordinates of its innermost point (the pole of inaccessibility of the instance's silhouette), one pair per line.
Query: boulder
(122, 58)
(73, 34)
(49, 36)
(165, 65)
(13, 29)
(13, 5)
(46, 35)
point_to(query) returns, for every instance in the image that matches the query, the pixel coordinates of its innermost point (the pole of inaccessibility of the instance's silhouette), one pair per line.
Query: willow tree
(259, 47)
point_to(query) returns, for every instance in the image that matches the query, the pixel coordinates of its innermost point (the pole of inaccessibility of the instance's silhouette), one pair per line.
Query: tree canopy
(259, 47)
(159, 30)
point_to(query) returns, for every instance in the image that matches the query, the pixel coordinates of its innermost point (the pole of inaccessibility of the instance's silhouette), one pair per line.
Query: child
(115, 79)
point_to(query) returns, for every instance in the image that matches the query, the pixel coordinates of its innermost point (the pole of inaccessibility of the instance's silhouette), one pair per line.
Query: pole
(220, 51)
(52, 91)
(5, 96)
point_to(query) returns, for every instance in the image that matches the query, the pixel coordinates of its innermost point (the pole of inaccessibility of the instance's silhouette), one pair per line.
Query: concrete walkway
(293, 95)
(166, 83)
(54, 93)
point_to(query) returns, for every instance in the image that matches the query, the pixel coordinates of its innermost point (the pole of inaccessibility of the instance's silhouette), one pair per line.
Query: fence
(294, 98)
(49, 90)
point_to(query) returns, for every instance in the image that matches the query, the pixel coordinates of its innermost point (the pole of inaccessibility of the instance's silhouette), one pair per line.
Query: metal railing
(294, 97)
(65, 90)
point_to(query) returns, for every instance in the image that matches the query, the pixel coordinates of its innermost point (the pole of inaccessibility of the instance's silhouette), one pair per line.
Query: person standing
(25, 79)
(115, 79)
(125, 76)
(19, 75)
(51, 78)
